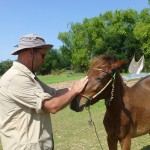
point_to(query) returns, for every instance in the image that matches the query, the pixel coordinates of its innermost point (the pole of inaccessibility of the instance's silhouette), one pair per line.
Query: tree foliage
(4, 66)
(121, 33)
(53, 61)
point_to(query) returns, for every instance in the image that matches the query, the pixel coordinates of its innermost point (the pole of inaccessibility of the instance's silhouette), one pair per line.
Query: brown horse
(127, 108)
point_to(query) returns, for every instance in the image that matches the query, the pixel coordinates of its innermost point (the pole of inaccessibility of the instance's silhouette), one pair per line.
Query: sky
(48, 18)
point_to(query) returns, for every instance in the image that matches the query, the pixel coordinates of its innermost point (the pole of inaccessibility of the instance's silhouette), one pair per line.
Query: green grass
(49, 79)
(73, 131)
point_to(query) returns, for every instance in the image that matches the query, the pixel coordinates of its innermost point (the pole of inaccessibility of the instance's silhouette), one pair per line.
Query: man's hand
(79, 85)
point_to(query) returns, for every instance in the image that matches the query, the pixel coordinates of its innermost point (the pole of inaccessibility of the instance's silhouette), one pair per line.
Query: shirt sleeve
(27, 91)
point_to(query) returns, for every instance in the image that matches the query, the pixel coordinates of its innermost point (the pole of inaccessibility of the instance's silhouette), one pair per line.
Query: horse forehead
(94, 72)
(98, 72)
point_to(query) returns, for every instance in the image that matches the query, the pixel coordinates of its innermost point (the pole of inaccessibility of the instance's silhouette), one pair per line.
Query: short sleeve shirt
(23, 123)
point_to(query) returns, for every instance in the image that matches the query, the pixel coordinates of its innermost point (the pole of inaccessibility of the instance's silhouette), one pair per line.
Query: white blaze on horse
(127, 108)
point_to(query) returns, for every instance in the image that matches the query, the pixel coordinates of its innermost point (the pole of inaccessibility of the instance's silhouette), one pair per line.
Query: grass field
(73, 131)
(49, 79)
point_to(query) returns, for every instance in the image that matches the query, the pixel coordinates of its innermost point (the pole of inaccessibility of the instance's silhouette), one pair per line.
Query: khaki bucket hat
(30, 41)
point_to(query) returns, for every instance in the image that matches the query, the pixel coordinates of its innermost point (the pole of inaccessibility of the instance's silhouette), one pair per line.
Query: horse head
(101, 80)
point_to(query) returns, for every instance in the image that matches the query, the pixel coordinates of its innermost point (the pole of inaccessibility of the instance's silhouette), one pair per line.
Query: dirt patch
(70, 83)
(62, 85)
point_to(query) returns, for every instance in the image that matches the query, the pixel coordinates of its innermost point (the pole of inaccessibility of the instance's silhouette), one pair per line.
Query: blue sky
(50, 17)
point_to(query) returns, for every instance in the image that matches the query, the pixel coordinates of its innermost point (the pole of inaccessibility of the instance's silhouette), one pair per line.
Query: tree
(5, 65)
(52, 62)
(142, 34)
(110, 33)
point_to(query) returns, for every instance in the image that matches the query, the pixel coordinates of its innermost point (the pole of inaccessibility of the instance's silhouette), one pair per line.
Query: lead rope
(91, 121)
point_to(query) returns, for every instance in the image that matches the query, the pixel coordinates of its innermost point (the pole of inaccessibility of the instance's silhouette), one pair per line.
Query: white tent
(136, 67)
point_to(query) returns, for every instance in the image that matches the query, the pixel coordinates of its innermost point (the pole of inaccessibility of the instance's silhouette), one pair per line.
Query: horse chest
(116, 127)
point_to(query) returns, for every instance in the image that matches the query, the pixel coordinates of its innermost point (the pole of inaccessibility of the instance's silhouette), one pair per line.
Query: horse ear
(119, 65)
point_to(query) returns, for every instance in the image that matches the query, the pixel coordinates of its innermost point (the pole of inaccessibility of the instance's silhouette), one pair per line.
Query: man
(25, 102)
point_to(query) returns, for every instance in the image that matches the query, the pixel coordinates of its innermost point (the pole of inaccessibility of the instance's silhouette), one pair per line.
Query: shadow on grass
(146, 147)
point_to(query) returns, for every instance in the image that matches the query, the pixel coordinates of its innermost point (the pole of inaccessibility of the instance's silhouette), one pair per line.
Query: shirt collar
(23, 68)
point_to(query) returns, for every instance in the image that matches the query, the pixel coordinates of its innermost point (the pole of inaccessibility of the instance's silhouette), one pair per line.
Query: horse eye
(99, 79)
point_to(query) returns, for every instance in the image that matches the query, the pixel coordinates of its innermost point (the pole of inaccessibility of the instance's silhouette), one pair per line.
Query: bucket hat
(30, 41)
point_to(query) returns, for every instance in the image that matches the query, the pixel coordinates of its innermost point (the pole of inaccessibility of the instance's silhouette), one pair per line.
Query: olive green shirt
(23, 123)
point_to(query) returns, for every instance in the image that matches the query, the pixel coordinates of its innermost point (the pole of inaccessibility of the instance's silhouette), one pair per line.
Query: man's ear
(30, 51)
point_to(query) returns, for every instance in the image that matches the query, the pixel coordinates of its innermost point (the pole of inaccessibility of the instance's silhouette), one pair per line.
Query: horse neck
(116, 103)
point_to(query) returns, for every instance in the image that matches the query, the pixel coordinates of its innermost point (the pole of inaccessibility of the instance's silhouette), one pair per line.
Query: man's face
(39, 58)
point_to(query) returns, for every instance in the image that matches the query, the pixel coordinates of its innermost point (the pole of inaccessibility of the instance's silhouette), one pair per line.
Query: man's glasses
(42, 55)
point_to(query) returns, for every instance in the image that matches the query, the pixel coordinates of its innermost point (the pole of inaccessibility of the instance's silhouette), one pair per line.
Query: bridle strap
(87, 97)
(102, 71)
(112, 79)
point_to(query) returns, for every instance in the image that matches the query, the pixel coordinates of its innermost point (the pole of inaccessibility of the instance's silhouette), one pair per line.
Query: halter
(89, 98)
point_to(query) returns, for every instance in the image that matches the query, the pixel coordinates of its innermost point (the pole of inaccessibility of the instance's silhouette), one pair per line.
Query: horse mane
(103, 61)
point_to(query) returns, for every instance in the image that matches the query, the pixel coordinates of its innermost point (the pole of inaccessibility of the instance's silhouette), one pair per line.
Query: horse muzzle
(77, 105)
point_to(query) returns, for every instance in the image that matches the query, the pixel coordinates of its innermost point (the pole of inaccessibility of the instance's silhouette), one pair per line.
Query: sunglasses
(42, 55)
